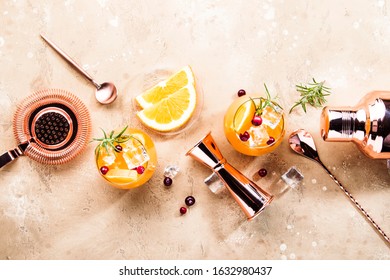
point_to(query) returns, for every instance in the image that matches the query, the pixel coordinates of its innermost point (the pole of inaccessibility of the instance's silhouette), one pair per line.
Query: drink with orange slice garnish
(254, 125)
(126, 158)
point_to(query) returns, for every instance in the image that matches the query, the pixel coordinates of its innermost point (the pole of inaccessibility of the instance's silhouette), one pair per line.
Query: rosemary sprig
(265, 102)
(313, 94)
(107, 141)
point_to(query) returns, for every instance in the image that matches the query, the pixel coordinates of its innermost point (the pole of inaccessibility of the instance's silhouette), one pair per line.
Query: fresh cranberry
(167, 181)
(262, 172)
(244, 136)
(140, 169)
(271, 140)
(241, 92)
(183, 210)
(104, 170)
(190, 200)
(118, 148)
(257, 120)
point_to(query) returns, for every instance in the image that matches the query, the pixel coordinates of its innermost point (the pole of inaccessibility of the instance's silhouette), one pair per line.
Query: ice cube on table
(292, 177)
(290, 180)
(272, 117)
(171, 171)
(258, 135)
(214, 183)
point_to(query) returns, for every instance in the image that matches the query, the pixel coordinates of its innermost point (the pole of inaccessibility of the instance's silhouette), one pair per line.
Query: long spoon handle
(70, 60)
(358, 206)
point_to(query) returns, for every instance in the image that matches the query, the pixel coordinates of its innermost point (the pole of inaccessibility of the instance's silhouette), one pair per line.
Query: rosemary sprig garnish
(265, 102)
(107, 141)
(313, 94)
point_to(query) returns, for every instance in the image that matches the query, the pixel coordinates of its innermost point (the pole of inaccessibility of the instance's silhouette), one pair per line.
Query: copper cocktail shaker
(367, 124)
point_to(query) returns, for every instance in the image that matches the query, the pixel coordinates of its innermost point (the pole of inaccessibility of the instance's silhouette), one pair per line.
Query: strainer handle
(13, 154)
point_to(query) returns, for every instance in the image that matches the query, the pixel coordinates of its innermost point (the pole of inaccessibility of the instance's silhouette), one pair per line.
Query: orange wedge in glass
(121, 176)
(243, 117)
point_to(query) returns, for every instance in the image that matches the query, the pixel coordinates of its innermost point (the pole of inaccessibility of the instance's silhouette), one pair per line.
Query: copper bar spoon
(105, 93)
(303, 144)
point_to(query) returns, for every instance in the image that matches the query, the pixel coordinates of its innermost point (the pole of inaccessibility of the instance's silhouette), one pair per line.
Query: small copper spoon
(303, 144)
(105, 93)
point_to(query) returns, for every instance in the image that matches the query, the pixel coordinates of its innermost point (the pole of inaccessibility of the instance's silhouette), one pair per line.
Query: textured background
(69, 212)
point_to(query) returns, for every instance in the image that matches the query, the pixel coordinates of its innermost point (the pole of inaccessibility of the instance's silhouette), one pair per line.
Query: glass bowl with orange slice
(254, 125)
(126, 158)
(171, 102)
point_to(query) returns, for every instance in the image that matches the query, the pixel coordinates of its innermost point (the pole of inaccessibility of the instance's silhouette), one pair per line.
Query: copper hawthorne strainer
(51, 126)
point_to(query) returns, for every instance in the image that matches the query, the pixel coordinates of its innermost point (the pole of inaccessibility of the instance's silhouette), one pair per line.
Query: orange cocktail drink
(254, 125)
(126, 158)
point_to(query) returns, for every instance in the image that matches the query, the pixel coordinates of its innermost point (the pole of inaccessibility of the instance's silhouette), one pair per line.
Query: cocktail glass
(127, 161)
(254, 125)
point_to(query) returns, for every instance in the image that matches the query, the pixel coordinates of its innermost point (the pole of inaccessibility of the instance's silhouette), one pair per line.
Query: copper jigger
(251, 198)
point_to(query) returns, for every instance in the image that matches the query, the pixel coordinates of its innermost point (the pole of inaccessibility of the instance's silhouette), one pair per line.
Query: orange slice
(171, 112)
(243, 117)
(163, 89)
(121, 176)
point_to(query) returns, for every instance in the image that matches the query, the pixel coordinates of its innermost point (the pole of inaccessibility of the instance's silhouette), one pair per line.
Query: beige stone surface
(69, 212)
